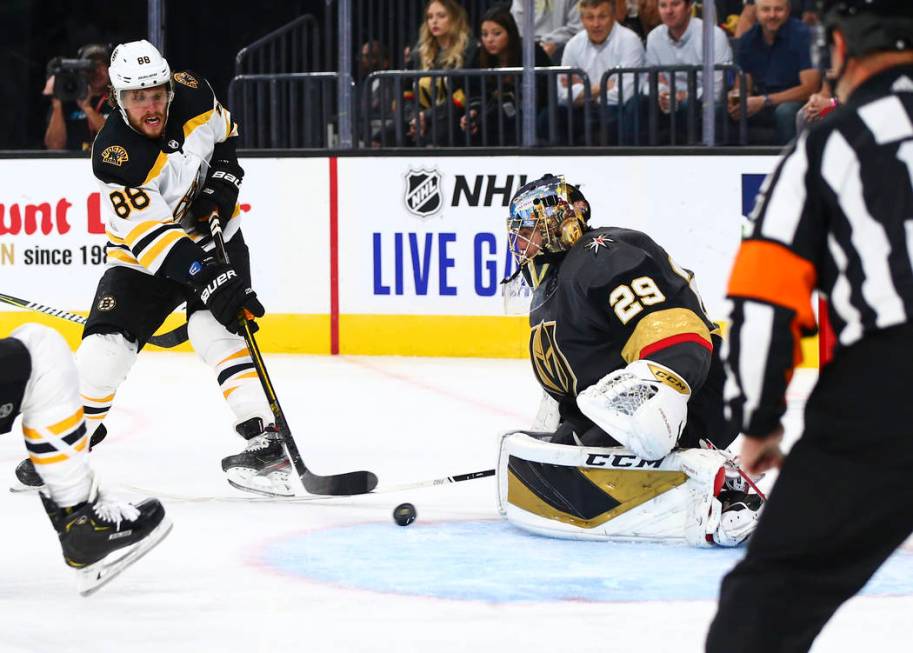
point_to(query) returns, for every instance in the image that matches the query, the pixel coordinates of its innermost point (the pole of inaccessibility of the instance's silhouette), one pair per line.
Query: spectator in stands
(495, 121)
(555, 21)
(806, 10)
(679, 41)
(776, 55)
(373, 57)
(445, 42)
(73, 124)
(640, 16)
(604, 44)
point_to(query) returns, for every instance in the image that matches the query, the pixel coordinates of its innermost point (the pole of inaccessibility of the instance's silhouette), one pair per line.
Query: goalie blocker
(606, 493)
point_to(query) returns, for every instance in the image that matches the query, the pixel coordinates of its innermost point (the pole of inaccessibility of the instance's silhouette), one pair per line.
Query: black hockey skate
(100, 538)
(27, 476)
(263, 467)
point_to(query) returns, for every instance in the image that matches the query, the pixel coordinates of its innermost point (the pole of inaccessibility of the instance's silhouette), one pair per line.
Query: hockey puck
(404, 514)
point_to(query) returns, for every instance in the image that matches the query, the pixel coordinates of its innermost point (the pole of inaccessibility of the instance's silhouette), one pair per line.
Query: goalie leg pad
(644, 406)
(227, 354)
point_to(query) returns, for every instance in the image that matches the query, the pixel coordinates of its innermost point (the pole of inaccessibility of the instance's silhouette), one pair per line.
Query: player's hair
(428, 49)
(591, 4)
(501, 15)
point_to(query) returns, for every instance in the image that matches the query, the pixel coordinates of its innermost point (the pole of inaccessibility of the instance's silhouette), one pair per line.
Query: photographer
(79, 99)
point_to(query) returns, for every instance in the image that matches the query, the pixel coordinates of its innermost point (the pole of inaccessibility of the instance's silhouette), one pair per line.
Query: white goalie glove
(643, 406)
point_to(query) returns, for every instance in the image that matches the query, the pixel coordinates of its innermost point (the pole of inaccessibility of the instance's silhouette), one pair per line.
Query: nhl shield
(423, 196)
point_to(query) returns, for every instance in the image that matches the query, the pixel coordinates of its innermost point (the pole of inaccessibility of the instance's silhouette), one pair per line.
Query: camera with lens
(71, 77)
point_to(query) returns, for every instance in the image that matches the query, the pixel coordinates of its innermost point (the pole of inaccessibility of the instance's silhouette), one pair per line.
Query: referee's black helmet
(869, 26)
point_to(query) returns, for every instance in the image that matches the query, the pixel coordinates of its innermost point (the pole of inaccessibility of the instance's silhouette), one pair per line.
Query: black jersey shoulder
(122, 156)
(193, 96)
(608, 253)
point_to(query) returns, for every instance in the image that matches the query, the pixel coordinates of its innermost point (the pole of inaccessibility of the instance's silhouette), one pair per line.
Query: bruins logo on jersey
(115, 155)
(549, 364)
(186, 79)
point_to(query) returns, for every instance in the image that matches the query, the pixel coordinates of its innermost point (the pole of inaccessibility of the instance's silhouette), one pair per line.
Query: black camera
(71, 77)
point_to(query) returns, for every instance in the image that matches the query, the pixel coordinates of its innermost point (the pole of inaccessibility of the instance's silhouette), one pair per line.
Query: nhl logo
(423, 192)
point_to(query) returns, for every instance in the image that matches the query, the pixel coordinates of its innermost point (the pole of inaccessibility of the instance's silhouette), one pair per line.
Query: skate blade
(19, 488)
(261, 491)
(96, 576)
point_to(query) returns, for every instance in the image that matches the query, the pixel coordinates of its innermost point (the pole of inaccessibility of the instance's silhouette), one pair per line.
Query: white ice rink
(338, 575)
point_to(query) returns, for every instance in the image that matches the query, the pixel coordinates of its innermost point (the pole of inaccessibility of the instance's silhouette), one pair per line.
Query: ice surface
(240, 574)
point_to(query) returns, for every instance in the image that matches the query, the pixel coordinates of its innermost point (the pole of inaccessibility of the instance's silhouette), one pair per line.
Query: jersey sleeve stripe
(195, 122)
(154, 256)
(122, 255)
(659, 326)
(156, 170)
(772, 273)
(673, 341)
(114, 238)
(143, 229)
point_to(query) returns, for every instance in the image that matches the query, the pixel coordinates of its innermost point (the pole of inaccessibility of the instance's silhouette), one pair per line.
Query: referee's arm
(771, 288)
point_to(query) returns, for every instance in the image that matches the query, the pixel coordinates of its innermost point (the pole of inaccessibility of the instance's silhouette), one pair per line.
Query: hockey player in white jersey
(99, 538)
(165, 162)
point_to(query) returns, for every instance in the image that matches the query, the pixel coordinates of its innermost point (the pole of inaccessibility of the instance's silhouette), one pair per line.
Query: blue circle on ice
(493, 561)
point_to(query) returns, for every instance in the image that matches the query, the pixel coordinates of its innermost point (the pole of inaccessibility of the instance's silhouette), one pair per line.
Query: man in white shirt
(603, 45)
(679, 41)
(555, 22)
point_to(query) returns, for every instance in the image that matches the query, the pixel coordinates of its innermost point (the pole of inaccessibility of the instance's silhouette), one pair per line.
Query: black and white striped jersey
(835, 216)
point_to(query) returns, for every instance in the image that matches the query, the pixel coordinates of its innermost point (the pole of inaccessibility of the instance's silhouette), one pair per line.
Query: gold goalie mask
(547, 216)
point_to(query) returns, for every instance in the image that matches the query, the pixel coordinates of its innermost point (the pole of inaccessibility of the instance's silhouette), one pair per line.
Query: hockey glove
(219, 193)
(226, 295)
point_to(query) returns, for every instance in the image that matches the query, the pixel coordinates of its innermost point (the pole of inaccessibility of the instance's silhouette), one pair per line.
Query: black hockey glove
(226, 295)
(219, 193)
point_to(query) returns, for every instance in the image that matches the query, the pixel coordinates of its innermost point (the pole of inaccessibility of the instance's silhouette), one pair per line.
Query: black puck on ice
(404, 514)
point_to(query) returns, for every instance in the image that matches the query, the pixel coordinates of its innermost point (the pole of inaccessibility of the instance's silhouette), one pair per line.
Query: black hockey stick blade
(171, 338)
(350, 483)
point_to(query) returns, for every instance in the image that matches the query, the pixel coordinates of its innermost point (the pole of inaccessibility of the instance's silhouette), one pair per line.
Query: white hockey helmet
(136, 65)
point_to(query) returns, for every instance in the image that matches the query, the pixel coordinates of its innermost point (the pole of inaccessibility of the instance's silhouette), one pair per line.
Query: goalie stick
(360, 482)
(165, 340)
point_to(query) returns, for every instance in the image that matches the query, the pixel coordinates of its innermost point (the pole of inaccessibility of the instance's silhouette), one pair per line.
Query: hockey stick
(166, 340)
(360, 482)
(384, 489)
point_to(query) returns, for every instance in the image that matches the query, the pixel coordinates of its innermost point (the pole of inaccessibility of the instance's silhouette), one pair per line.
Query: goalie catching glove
(643, 406)
(226, 295)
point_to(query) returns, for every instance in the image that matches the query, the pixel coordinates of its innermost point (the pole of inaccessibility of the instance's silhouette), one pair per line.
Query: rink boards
(385, 255)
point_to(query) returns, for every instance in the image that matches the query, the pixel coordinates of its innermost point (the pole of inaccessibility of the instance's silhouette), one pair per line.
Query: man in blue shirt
(776, 55)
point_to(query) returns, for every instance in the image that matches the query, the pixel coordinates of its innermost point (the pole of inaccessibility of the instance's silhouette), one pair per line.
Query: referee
(836, 216)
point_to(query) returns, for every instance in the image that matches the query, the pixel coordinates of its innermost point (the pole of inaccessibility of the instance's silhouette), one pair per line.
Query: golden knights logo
(186, 79)
(423, 196)
(115, 155)
(551, 367)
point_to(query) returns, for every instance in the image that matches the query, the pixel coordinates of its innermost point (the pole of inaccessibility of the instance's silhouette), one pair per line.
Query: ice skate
(100, 539)
(263, 467)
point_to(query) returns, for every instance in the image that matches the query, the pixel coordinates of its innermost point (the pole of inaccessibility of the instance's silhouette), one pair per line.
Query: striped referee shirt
(835, 216)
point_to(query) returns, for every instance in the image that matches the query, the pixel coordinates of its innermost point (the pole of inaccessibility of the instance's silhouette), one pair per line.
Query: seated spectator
(776, 55)
(640, 16)
(728, 15)
(444, 43)
(804, 9)
(679, 41)
(73, 124)
(377, 101)
(555, 21)
(495, 121)
(603, 45)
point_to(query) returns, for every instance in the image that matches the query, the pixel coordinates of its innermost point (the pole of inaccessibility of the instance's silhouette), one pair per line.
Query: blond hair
(430, 52)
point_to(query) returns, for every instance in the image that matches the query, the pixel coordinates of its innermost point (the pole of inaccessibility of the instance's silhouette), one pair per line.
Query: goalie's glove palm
(227, 295)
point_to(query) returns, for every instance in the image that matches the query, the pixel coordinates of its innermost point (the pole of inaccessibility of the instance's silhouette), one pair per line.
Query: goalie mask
(138, 65)
(547, 217)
